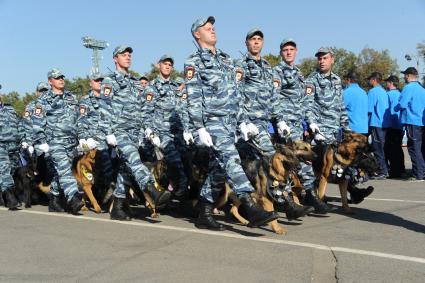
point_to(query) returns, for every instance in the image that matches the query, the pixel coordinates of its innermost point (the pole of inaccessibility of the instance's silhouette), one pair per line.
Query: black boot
(75, 204)
(11, 201)
(1, 199)
(160, 198)
(119, 208)
(205, 219)
(311, 198)
(256, 215)
(55, 203)
(358, 195)
(294, 210)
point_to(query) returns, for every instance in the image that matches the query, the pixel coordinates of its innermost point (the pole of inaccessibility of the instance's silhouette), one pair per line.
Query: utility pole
(96, 46)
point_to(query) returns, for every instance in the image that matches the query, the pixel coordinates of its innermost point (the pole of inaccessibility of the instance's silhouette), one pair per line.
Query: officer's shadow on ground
(365, 214)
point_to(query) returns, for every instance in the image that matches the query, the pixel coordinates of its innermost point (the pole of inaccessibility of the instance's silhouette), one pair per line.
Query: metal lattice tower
(96, 46)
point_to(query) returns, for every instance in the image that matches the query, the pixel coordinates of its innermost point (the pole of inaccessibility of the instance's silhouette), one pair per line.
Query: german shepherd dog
(29, 179)
(334, 159)
(82, 169)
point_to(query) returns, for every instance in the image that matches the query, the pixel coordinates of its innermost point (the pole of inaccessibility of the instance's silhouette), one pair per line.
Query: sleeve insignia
(149, 96)
(190, 72)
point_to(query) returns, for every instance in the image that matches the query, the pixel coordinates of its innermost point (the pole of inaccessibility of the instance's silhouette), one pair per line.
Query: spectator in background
(356, 103)
(412, 106)
(380, 119)
(394, 138)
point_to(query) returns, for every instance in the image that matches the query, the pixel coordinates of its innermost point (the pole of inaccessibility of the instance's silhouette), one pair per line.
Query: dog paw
(280, 231)
(155, 215)
(347, 210)
(84, 208)
(97, 209)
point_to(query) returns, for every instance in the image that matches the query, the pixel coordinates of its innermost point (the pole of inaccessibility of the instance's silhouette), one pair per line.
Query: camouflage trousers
(174, 161)
(62, 152)
(224, 162)
(9, 155)
(130, 164)
(263, 140)
(306, 175)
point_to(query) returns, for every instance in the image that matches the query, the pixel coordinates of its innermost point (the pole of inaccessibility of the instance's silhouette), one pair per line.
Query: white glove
(44, 147)
(188, 138)
(252, 129)
(24, 145)
(91, 143)
(82, 144)
(319, 136)
(148, 133)
(244, 131)
(314, 128)
(111, 140)
(155, 141)
(204, 137)
(283, 129)
(31, 149)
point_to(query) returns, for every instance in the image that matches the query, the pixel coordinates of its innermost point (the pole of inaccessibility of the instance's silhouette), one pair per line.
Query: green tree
(307, 66)
(272, 59)
(78, 86)
(154, 72)
(370, 60)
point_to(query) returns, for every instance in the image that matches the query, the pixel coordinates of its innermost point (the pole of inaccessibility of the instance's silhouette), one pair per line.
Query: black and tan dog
(334, 159)
(82, 169)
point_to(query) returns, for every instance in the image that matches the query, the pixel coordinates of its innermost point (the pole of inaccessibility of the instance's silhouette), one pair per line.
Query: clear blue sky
(38, 35)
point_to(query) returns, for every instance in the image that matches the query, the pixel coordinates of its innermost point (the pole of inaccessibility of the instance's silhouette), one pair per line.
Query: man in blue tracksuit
(393, 150)
(412, 106)
(379, 110)
(356, 104)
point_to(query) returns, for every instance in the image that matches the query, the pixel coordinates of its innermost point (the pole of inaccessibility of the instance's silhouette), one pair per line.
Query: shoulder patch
(276, 83)
(107, 89)
(190, 72)
(239, 74)
(83, 109)
(309, 89)
(38, 111)
(149, 96)
(184, 96)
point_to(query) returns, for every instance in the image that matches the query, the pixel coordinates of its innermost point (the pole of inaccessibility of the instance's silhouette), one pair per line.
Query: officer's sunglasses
(59, 78)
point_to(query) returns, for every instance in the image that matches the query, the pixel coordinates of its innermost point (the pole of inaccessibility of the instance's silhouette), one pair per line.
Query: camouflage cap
(324, 50)
(254, 31)
(121, 49)
(179, 80)
(201, 22)
(166, 57)
(287, 41)
(96, 76)
(55, 73)
(144, 76)
(42, 86)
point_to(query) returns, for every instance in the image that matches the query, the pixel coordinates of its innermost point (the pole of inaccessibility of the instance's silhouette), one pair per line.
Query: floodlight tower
(96, 46)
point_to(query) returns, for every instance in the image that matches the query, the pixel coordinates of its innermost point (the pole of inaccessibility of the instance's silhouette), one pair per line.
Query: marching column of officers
(221, 104)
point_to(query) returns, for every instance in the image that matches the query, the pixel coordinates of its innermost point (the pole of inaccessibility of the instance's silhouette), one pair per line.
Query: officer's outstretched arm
(194, 91)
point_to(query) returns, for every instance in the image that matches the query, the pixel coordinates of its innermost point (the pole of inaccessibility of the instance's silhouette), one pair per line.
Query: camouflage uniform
(325, 105)
(9, 145)
(167, 123)
(292, 94)
(54, 122)
(258, 104)
(93, 123)
(214, 105)
(127, 121)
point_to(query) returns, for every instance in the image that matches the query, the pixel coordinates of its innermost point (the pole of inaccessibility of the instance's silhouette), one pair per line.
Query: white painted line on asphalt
(233, 236)
(389, 199)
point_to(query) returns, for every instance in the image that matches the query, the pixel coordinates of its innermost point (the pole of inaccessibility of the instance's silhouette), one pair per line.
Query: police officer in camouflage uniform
(127, 122)
(26, 122)
(9, 152)
(256, 78)
(292, 96)
(54, 124)
(214, 111)
(93, 127)
(167, 121)
(325, 109)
